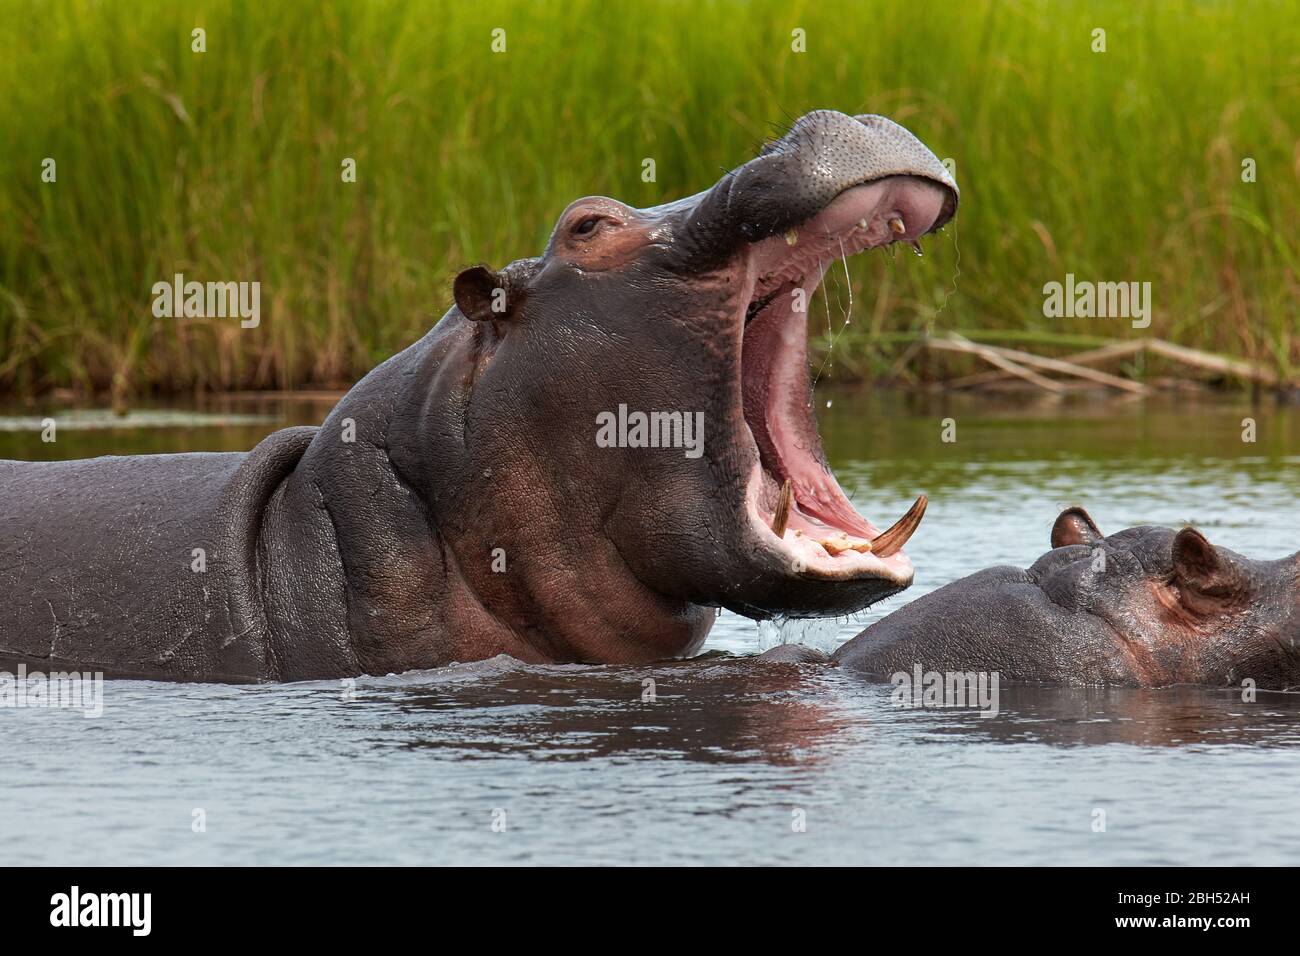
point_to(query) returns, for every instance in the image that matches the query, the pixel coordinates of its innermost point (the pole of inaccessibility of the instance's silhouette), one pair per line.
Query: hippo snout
(823, 155)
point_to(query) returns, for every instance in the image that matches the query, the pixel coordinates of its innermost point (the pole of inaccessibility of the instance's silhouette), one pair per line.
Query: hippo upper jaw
(796, 178)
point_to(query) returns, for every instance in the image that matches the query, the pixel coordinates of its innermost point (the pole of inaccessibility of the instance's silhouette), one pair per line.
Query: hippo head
(1146, 606)
(639, 394)
(1176, 608)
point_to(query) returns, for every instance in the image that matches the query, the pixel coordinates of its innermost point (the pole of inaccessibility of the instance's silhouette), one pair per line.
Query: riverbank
(1192, 424)
(943, 362)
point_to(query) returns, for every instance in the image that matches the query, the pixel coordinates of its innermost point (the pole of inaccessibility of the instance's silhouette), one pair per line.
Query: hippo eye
(587, 226)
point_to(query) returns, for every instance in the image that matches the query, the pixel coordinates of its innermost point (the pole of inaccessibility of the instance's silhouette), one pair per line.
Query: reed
(225, 165)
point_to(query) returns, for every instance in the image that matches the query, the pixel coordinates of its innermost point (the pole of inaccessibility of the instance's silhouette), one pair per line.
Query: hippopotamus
(590, 453)
(1144, 607)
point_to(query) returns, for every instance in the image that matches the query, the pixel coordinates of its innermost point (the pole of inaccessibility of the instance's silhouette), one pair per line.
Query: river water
(723, 759)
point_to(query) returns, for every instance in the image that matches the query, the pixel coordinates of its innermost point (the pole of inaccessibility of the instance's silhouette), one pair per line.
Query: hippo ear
(1201, 570)
(1075, 526)
(483, 295)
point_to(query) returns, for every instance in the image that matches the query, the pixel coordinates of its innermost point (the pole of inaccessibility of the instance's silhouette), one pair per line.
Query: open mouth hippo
(1145, 607)
(588, 454)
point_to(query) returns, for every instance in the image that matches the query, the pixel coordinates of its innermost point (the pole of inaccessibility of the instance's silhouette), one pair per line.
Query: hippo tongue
(831, 507)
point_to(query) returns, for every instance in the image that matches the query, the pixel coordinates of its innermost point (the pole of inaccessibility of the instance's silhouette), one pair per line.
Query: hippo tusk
(891, 541)
(897, 226)
(782, 513)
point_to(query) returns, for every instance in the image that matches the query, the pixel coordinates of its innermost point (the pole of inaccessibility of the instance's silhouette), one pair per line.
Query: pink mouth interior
(776, 387)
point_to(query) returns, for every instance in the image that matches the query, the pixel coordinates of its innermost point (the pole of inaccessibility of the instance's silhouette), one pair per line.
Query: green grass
(225, 165)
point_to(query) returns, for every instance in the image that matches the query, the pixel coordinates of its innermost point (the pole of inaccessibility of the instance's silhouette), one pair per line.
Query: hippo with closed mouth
(456, 504)
(1145, 607)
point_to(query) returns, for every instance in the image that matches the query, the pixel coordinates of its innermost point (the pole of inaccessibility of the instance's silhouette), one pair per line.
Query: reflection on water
(722, 710)
(719, 759)
(1169, 717)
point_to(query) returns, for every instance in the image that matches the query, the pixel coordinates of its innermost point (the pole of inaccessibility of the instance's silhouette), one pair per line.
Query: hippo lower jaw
(814, 527)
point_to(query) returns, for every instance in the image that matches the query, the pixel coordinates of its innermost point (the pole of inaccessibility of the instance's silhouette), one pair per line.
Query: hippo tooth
(782, 513)
(896, 224)
(791, 237)
(891, 541)
(842, 542)
(862, 224)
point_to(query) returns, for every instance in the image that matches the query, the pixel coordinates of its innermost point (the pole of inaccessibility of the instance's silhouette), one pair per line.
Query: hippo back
(141, 566)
